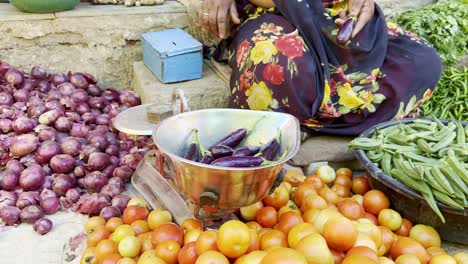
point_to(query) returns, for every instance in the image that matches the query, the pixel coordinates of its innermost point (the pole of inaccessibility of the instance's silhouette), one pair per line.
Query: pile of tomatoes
(327, 218)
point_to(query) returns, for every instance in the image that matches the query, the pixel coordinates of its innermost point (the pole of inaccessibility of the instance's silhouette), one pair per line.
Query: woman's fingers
(234, 14)
(355, 7)
(203, 17)
(213, 21)
(341, 18)
(222, 19)
(367, 13)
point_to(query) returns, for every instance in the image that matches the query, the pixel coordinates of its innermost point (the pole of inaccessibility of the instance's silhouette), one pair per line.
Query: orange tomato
(288, 220)
(189, 224)
(388, 237)
(169, 231)
(406, 245)
(158, 217)
(113, 223)
(375, 201)
(263, 231)
(405, 228)
(426, 235)
(358, 259)
(188, 254)
(212, 257)
(366, 241)
(105, 248)
(290, 206)
(360, 185)
(295, 178)
(126, 261)
(140, 202)
(89, 256)
(267, 217)
(303, 191)
(385, 260)
(323, 216)
(150, 257)
(315, 249)
(134, 213)
(273, 238)
(461, 257)
(287, 186)
(277, 199)
(350, 209)
(434, 251)
(206, 242)
(93, 222)
(254, 257)
(97, 234)
(343, 180)
(341, 190)
(407, 259)
(338, 256)
(363, 251)
(300, 231)
(358, 198)
(140, 227)
(254, 242)
(168, 251)
(365, 227)
(111, 259)
(250, 212)
(443, 259)
(146, 244)
(372, 218)
(283, 256)
(309, 215)
(192, 235)
(344, 172)
(329, 195)
(313, 201)
(233, 238)
(390, 218)
(340, 233)
(254, 226)
(316, 182)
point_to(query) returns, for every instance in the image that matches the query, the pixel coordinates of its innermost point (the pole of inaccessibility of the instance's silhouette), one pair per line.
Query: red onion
(61, 136)
(109, 212)
(128, 98)
(111, 190)
(71, 146)
(89, 118)
(98, 161)
(5, 99)
(86, 152)
(111, 94)
(91, 203)
(47, 150)
(91, 79)
(117, 182)
(79, 172)
(62, 163)
(109, 170)
(47, 194)
(10, 215)
(43, 86)
(50, 205)
(36, 109)
(102, 119)
(9, 180)
(23, 145)
(21, 95)
(115, 160)
(54, 95)
(94, 181)
(48, 180)
(47, 134)
(82, 108)
(20, 106)
(28, 160)
(4, 158)
(120, 201)
(55, 105)
(31, 213)
(96, 102)
(13, 76)
(124, 173)
(73, 194)
(125, 145)
(79, 95)
(23, 125)
(78, 80)
(14, 166)
(79, 130)
(62, 183)
(7, 199)
(37, 73)
(95, 111)
(68, 102)
(42, 226)
(66, 202)
(4, 67)
(26, 199)
(58, 78)
(66, 88)
(5, 125)
(131, 160)
(94, 90)
(32, 178)
(63, 124)
(6, 141)
(47, 169)
(99, 142)
(100, 130)
(49, 117)
(73, 116)
(112, 150)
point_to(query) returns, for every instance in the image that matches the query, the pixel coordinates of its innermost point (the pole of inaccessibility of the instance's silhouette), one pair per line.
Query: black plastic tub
(409, 203)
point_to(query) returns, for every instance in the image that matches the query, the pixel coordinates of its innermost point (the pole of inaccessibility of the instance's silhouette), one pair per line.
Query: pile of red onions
(59, 147)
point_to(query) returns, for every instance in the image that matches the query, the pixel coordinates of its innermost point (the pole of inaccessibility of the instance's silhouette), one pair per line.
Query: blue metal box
(173, 55)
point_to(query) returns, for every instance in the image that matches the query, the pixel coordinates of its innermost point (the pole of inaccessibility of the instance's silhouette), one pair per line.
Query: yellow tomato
(443, 259)
(158, 217)
(138, 202)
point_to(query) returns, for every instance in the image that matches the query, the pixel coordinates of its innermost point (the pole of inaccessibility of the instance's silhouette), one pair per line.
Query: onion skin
(111, 190)
(128, 98)
(79, 172)
(91, 203)
(50, 205)
(5, 125)
(79, 130)
(38, 73)
(99, 142)
(27, 198)
(94, 181)
(62, 163)
(98, 161)
(23, 125)
(10, 215)
(66, 202)
(47, 150)
(124, 173)
(6, 99)
(86, 151)
(71, 146)
(49, 117)
(66, 88)
(14, 77)
(36, 110)
(31, 213)
(42, 226)
(62, 183)
(14, 166)
(78, 80)
(94, 90)
(120, 201)
(109, 170)
(58, 78)
(23, 145)
(47, 194)
(9, 180)
(110, 211)
(7, 199)
(47, 134)
(21, 95)
(73, 194)
(63, 124)
(32, 178)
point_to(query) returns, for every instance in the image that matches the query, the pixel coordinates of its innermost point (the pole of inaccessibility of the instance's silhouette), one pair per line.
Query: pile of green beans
(450, 98)
(426, 156)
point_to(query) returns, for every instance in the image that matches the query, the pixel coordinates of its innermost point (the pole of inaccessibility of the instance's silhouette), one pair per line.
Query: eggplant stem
(254, 125)
(196, 140)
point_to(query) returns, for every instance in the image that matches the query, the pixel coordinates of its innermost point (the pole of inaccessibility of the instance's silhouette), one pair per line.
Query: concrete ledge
(9, 13)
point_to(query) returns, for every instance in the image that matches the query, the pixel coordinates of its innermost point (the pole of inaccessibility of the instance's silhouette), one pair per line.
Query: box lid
(172, 42)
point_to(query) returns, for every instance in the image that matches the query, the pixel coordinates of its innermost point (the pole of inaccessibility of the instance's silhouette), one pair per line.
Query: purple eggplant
(345, 31)
(246, 151)
(193, 152)
(220, 151)
(236, 137)
(207, 159)
(270, 150)
(238, 162)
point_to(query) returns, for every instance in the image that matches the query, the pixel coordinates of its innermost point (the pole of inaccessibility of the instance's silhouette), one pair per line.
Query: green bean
(386, 163)
(457, 168)
(444, 142)
(429, 197)
(419, 186)
(365, 143)
(420, 158)
(442, 180)
(453, 177)
(445, 199)
(429, 178)
(424, 146)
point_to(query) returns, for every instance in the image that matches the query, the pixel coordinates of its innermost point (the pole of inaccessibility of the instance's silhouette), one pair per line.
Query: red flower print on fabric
(273, 73)
(290, 45)
(242, 52)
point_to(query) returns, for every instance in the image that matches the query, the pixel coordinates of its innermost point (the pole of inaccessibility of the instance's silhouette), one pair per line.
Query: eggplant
(345, 31)
(238, 162)
(207, 159)
(235, 138)
(193, 152)
(246, 151)
(220, 151)
(270, 150)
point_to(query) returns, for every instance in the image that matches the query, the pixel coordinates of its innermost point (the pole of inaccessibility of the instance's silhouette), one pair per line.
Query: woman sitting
(285, 57)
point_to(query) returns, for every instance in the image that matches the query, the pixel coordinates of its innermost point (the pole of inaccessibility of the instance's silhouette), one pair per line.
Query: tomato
(133, 213)
(89, 256)
(365, 227)
(129, 246)
(98, 233)
(406, 245)
(207, 241)
(283, 256)
(313, 201)
(426, 235)
(316, 182)
(443, 259)
(111, 259)
(358, 198)
(121, 232)
(146, 244)
(126, 261)
(350, 209)
(340, 233)
(343, 180)
(158, 217)
(384, 260)
(375, 201)
(254, 257)
(233, 238)
(344, 172)
(390, 219)
(273, 238)
(150, 257)
(188, 254)
(329, 195)
(363, 251)
(277, 199)
(372, 218)
(407, 259)
(290, 206)
(405, 228)
(300, 231)
(293, 177)
(388, 237)
(168, 251)
(169, 231)
(288, 220)
(360, 185)
(338, 256)
(366, 241)
(140, 202)
(434, 251)
(326, 173)
(287, 186)
(254, 241)
(341, 190)
(254, 226)
(263, 231)
(140, 227)
(212, 257)
(461, 257)
(267, 217)
(314, 248)
(113, 223)
(105, 248)
(93, 222)
(189, 224)
(250, 212)
(358, 259)
(192, 235)
(310, 215)
(323, 216)
(303, 191)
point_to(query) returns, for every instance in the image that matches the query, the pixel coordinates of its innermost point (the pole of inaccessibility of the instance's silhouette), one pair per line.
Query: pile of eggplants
(227, 152)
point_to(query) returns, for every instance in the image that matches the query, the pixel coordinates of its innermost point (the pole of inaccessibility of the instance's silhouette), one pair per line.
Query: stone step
(208, 92)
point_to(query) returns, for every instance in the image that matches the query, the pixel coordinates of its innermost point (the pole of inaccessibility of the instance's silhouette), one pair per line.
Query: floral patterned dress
(286, 59)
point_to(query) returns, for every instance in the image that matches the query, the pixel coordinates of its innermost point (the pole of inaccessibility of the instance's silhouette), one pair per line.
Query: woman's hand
(214, 16)
(363, 10)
